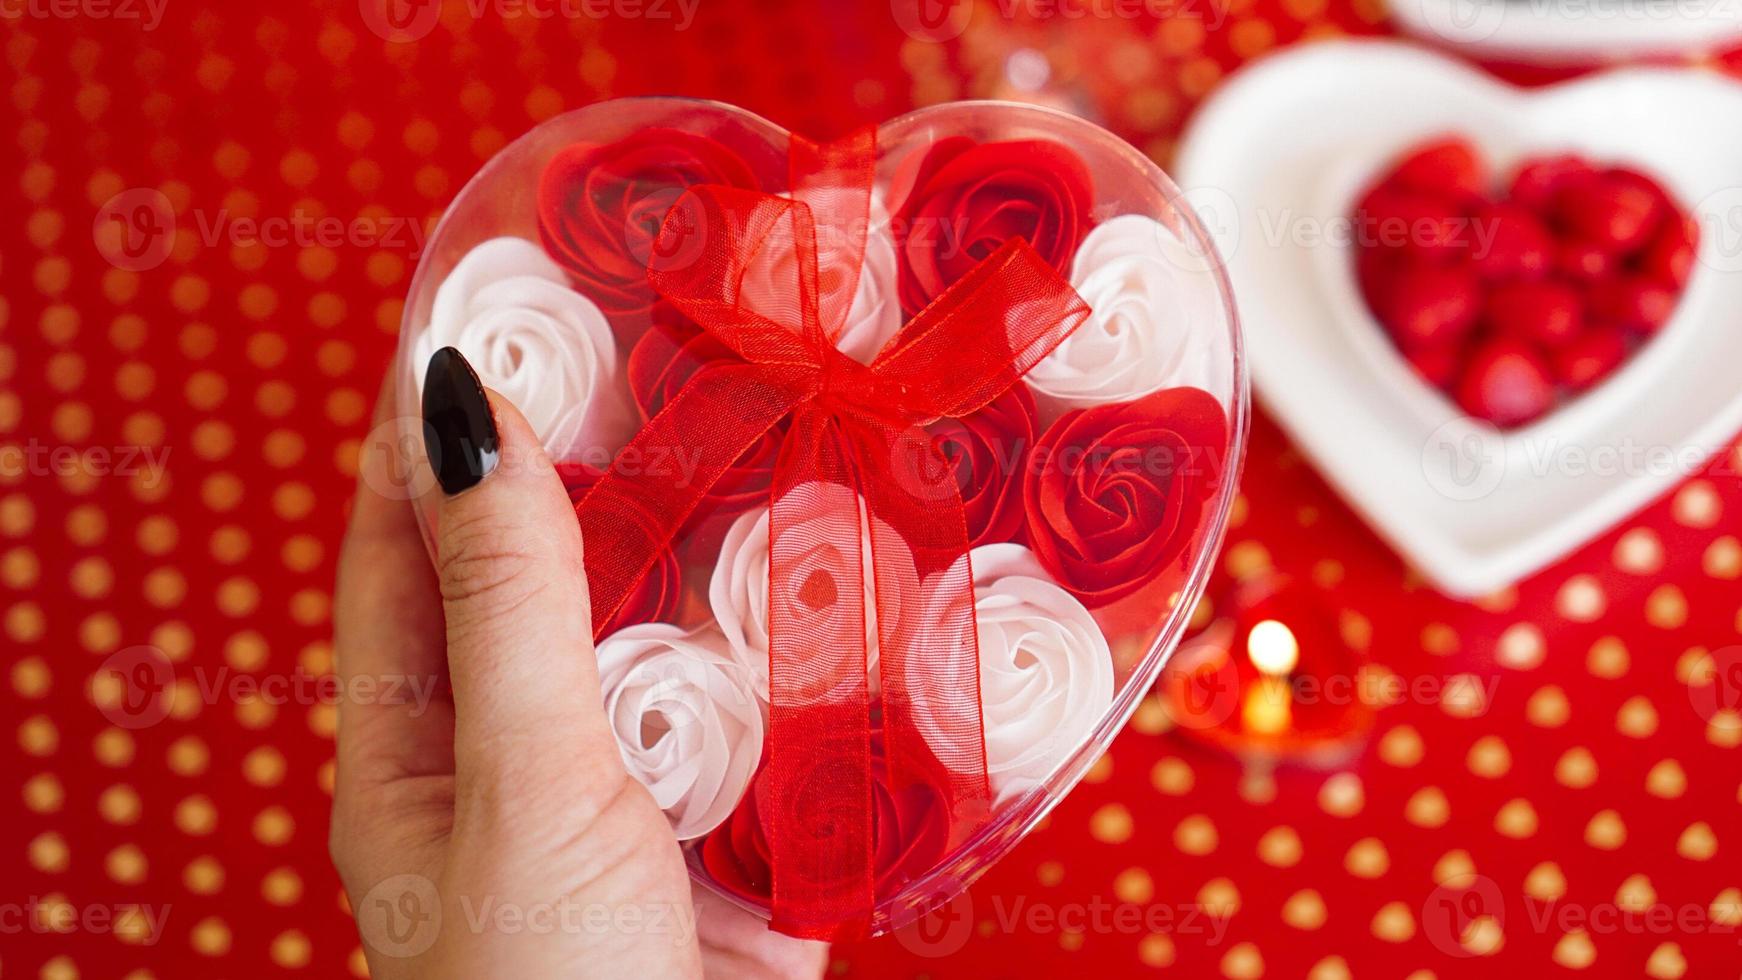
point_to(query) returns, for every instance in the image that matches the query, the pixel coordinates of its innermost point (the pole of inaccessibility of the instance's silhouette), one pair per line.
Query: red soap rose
(664, 359)
(600, 207)
(655, 599)
(1115, 493)
(989, 450)
(967, 198)
(660, 364)
(909, 831)
(736, 853)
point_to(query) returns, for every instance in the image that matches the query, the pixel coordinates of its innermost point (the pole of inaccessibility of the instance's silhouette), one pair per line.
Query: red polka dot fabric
(215, 212)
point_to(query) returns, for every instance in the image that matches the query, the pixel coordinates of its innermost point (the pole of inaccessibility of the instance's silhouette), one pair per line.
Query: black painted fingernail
(459, 433)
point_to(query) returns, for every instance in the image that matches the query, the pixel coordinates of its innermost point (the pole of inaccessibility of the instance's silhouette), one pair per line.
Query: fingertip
(462, 438)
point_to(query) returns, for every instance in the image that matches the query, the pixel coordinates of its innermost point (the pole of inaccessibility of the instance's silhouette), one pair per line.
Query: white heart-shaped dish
(1274, 163)
(1572, 32)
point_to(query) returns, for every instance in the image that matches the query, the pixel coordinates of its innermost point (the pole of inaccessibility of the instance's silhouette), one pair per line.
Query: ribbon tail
(929, 666)
(817, 780)
(634, 512)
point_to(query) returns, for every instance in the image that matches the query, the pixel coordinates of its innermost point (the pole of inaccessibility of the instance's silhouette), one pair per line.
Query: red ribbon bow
(855, 427)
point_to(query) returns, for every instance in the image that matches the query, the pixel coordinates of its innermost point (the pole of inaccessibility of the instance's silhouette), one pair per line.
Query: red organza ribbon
(753, 270)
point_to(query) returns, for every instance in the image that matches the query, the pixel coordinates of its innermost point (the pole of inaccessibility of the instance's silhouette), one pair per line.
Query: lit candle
(1255, 678)
(1268, 707)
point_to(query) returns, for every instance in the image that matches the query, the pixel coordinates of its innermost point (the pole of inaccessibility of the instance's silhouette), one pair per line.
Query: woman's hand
(489, 828)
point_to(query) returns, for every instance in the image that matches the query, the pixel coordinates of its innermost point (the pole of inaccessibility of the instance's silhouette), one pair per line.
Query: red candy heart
(1514, 303)
(1670, 256)
(1613, 211)
(1448, 167)
(1517, 245)
(1549, 313)
(1432, 305)
(1506, 383)
(1538, 181)
(1582, 262)
(1635, 302)
(1439, 365)
(1590, 358)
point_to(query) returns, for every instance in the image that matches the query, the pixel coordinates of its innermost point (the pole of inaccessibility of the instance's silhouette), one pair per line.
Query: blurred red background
(1588, 780)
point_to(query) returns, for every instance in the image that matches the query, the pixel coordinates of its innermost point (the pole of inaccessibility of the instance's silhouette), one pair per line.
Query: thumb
(514, 596)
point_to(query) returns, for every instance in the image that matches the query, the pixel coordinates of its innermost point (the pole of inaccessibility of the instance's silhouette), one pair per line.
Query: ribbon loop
(773, 278)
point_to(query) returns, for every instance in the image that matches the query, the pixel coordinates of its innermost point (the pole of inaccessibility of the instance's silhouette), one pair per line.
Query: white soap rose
(509, 308)
(1154, 322)
(739, 589)
(1046, 672)
(770, 288)
(686, 717)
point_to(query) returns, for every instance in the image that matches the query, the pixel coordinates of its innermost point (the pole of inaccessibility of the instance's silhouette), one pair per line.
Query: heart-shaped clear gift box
(1009, 296)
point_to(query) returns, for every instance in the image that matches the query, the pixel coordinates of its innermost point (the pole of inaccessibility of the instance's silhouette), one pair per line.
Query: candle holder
(1271, 677)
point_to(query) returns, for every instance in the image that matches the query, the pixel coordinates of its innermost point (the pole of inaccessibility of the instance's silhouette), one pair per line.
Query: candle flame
(1272, 648)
